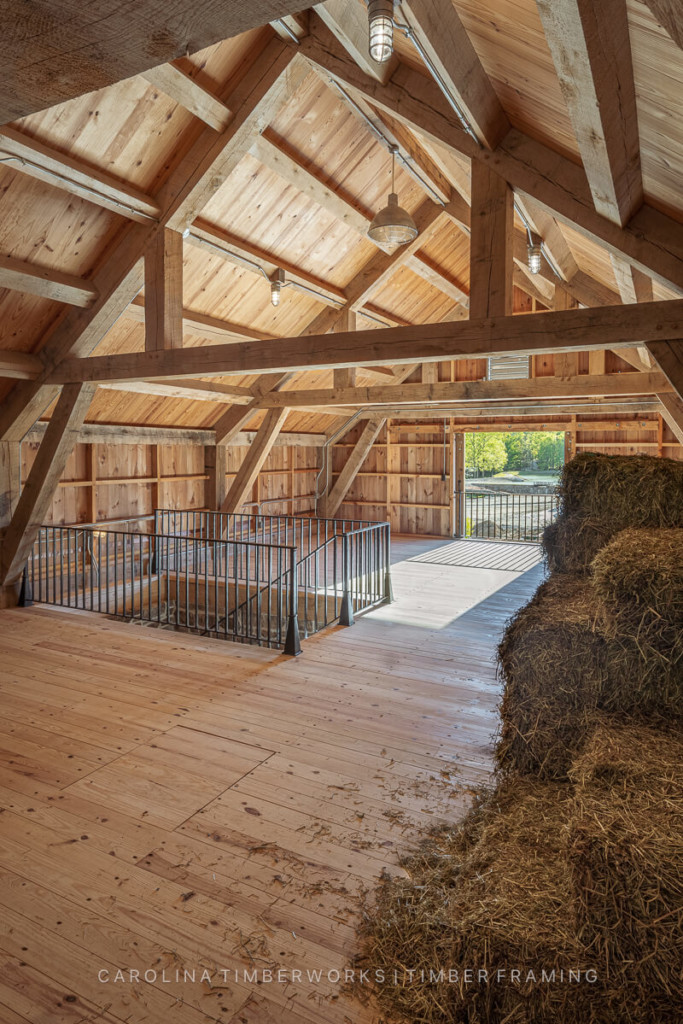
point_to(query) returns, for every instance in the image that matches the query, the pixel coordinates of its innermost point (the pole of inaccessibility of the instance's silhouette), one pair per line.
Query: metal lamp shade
(393, 225)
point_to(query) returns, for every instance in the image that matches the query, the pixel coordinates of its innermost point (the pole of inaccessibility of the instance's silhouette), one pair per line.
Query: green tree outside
(489, 453)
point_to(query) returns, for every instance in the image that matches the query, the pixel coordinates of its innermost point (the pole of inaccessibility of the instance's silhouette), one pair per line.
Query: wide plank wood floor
(170, 803)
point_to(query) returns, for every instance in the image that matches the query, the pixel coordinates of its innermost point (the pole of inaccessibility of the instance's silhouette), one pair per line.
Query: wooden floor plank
(166, 798)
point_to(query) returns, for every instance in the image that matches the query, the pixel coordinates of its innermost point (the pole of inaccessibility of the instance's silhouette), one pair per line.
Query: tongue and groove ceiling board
(134, 132)
(54, 50)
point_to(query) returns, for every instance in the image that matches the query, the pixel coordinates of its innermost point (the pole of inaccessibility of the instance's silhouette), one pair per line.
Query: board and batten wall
(117, 481)
(401, 478)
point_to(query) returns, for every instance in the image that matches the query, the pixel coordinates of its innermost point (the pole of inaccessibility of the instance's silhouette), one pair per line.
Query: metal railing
(489, 515)
(256, 579)
(238, 591)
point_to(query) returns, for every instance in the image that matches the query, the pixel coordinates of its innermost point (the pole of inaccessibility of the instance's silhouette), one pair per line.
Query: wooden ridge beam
(591, 50)
(442, 36)
(181, 87)
(50, 462)
(573, 330)
(652, 241)
(22, 276)
(334, 498)
(258, 453)
(537, 387)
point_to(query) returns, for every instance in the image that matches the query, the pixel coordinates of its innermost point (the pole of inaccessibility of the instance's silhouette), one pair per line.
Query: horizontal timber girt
(476, 390)
(573, 330)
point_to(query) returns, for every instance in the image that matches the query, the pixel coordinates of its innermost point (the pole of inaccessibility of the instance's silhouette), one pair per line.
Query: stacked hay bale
(575, 862)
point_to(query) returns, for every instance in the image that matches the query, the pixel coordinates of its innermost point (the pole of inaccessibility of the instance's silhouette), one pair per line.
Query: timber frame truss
(478, 172)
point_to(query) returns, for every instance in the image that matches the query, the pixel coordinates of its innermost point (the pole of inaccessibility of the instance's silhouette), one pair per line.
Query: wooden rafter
(591, 49)
(442, 36)
(21, 276)
(651, 240)
(19, 365)
(199, 173)
(572, 330)
(37, 159)
(134, 38)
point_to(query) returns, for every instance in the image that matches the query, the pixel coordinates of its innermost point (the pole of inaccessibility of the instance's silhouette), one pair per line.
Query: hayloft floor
(171, 804)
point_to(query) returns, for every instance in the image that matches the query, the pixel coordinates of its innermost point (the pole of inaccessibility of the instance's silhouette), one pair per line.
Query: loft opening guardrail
(502, 515)
(262, 579)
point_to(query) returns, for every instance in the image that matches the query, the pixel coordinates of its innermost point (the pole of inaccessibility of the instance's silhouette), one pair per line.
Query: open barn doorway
(506, 483)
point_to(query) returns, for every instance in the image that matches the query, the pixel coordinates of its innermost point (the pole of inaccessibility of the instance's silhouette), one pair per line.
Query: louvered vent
(508, 367)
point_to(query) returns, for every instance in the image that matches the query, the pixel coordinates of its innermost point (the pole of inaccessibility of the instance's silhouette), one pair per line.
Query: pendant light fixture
(392, 225)
(535, 252)
(277, 283)
(381, 27)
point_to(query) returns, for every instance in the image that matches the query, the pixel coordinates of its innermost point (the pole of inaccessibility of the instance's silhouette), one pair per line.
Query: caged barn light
(392, 225)
(381, 27)
(277, 283)
(535, 252)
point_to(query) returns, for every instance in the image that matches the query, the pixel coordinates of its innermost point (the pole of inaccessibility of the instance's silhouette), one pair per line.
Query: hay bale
(625, 848)
(493, 895)
(554, 659)
(601, 495)
(639, 576)
(630, 490)
(571, 543)
(638, 580)
(543, 877)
